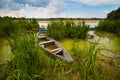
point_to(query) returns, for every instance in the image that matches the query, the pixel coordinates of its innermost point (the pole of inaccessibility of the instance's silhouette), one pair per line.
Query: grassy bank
(31, 63)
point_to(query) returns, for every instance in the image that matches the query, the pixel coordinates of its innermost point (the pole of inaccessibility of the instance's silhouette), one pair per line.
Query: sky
(58, 8)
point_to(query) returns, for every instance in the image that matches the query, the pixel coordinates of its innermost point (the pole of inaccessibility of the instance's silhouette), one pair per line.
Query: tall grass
(85, 61)
(59, 30)
(11, 26)
(56, 30)
(31, 63)
(87, 64)
(29, 60)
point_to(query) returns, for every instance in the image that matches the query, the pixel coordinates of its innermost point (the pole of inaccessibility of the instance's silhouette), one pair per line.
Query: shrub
(59, 30)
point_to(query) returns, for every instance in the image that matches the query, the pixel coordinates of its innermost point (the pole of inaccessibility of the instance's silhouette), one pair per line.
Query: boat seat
(41, 43)
(55, 49)
(58, 51)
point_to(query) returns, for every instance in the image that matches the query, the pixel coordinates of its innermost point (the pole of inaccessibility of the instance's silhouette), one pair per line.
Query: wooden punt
(53, 47)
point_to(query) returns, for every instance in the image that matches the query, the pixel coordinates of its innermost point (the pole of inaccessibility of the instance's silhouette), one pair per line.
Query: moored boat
(53, 47)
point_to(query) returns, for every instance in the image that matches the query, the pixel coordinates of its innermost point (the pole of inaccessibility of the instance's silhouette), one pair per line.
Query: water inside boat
(42, 39)
(54, 49)
(50, 46)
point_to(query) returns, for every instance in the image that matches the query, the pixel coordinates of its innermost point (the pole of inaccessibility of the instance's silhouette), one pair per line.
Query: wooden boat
(53, 47)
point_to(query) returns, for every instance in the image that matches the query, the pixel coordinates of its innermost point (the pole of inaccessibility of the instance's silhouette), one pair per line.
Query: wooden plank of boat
(45, 42)
(65, 53)
(59, 52)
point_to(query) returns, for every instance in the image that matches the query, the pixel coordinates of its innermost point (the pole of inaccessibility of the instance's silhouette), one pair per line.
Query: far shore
(76, 21)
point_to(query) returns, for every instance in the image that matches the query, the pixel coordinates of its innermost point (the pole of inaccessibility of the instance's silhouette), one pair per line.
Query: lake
(92, 23)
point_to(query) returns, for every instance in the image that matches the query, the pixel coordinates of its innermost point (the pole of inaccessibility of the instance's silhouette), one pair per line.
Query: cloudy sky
(57, 8)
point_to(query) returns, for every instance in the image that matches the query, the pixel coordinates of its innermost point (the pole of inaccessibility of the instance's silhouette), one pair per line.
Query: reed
(59, 30)
(11, 26)
(29, 60)
(31, 63)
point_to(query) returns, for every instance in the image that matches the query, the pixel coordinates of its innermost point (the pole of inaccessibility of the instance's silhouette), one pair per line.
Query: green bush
(112, 26)
(10, 26)
(59, 30)
(111, 23)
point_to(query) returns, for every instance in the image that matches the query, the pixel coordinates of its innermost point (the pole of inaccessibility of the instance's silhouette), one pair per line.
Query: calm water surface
(106, 41)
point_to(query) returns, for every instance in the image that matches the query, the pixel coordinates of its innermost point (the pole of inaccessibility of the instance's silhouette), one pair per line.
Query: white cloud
(12, 13)
(53, 9)
(97, 2)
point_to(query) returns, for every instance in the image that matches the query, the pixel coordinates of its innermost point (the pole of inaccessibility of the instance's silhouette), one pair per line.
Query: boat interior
(50, 46)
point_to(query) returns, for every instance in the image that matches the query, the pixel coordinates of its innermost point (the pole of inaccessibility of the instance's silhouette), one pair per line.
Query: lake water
(107, 41)
(43, 24)
(92, 24)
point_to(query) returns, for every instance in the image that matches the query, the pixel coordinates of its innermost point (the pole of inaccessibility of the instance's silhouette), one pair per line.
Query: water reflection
(92, 24)
(43, 24)
(106, 40)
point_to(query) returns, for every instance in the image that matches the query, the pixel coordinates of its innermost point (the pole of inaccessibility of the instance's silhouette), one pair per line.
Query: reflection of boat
(54, 48)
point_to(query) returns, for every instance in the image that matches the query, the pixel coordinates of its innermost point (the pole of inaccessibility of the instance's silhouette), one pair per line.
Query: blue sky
(58, 8)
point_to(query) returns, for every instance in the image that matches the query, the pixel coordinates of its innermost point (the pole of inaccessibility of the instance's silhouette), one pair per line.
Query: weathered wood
(55, 49)
(59, 52)
(42, 43)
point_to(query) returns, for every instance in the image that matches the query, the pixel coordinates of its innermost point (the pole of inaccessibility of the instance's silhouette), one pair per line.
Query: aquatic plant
(59, 30)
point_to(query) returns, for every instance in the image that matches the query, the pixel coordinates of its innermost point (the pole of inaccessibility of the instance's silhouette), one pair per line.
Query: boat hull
(57, 50)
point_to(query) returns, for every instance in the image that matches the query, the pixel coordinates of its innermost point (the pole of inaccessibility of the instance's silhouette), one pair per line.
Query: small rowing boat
(53, 47)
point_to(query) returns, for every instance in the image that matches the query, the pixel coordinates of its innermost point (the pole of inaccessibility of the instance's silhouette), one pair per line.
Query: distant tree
(111, 23)
(114, 15)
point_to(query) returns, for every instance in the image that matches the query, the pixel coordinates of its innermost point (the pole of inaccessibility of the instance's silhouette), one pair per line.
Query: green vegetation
(114, 15)
(111, 23)
(59, 30)
(29, 61)
(10, 26)
(112, 26)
